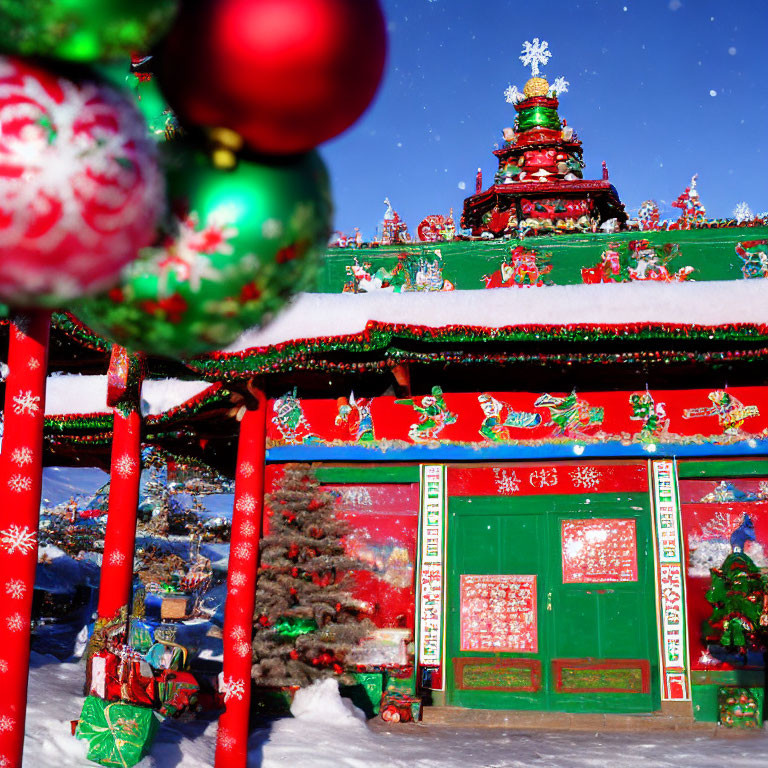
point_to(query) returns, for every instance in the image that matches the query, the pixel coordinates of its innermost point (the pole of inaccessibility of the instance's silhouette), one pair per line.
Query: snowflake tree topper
(534, 54)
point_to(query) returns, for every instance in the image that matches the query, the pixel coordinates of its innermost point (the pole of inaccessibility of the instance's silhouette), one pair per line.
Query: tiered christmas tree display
(307, 619)
(538, 187)
(738, 595)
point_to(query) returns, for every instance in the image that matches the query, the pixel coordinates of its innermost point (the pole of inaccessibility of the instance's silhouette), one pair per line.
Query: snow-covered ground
(326, 733)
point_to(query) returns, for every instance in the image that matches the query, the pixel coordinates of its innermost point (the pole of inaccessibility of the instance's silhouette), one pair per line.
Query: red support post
(124, 388)
(247, 523)
(21, 478)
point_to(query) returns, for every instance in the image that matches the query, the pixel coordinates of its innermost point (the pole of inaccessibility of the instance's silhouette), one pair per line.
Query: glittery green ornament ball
(83, 30)
(238, 245)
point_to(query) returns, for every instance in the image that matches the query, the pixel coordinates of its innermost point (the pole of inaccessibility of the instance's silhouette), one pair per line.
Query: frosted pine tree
(307, 620)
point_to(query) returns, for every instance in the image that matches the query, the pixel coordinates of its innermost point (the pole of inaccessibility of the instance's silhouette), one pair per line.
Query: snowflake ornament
(512, 95)
(16, 622)
(19, 483)
(586, 477)
(233, 689)
(21, 456)
(559, 86)
(7, 723)
(534, 54)
(26, 404)
(742, 212)
(15, 589)
(125, 466)
(18, 538)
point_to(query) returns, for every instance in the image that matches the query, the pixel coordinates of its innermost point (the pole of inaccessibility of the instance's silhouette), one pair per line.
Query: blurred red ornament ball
(285, 74)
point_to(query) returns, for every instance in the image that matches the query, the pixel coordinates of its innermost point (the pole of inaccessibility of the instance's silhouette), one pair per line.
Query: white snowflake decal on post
(21, 456)
(4, 761)
(559, 86)
(26, 404)
(18, 538)
(238, 579)
(742, 212)
(226, 741)
(33, 363)
(16, 622)
(246, 469)
(3, 668)
(19, 483)
(535, 53)
(243, 649)
(247, 529)
(15, 588)
(233, 689)
(125, 466)
(7, 723)
(246, 504)
(586, 477)
(116, 558)
(512, 95)
(243, 550)
(506, 483)
(238, 633)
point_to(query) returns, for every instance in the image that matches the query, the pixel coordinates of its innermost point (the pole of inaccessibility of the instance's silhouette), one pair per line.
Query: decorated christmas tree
(307, 620)
(739, 621)
(538, 186)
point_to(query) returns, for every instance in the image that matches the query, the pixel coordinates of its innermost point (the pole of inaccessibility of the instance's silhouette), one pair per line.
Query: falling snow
(26, 404)
(17, 538)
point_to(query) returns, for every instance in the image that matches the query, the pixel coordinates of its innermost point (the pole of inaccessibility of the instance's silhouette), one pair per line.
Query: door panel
(596, 640)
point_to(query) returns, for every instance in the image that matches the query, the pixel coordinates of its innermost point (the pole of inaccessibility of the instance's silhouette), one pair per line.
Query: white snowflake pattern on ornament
(33, 363)
(15, 588)
(21, 456)
(3, 666)
(243, 649)
(233, 689)
(247, 529)
(246, 469)
(18, 538)
(7, 723)
(238, 579)
(19, 483)
(125, 466)
(243, 550)
(116, 557)
(15, 622)
(246, 504)
(586, 477)
(26, 404)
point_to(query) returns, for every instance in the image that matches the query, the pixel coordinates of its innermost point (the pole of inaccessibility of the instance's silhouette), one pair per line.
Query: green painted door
(589, 641)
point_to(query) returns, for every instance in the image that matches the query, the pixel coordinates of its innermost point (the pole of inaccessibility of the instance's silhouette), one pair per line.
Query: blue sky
(659, 89)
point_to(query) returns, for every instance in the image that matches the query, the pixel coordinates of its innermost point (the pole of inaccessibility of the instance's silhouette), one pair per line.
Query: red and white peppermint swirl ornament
(80, 189)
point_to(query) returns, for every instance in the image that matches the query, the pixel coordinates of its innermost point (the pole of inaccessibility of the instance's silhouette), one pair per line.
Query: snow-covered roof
(74, 393)
(316, 315)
